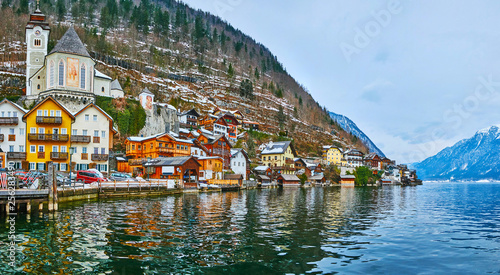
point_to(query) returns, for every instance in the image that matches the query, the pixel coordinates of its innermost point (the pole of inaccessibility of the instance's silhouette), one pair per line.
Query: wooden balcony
(16, 155)
(9, 120)
(12, 137)
(48, 137)
(135, 162)
(59, 156)
(167, 150)
(96, 139)
(80, 139)
(85, 156)
(289, 161)
(49, 120)
(41, 155)
(99, 157)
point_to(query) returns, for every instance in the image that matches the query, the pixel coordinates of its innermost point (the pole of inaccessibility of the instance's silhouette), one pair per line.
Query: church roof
(115, 85)
(70, 43)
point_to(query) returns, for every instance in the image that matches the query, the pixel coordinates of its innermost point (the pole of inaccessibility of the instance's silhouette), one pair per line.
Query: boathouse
(347, 180)
(288, 180)
(185, 169)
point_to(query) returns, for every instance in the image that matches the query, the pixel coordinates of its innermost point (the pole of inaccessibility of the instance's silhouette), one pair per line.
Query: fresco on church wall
(72, 79)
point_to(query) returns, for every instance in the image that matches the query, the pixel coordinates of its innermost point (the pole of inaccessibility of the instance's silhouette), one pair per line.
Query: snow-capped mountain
(351, 127)
(476, 158)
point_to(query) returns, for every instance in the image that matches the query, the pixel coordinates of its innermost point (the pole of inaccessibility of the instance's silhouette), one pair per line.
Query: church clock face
(38, 32)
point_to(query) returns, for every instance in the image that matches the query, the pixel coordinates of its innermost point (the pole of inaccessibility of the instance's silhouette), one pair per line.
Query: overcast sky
(415, 76)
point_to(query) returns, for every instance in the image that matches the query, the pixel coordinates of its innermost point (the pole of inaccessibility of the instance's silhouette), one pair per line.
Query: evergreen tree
(199, 30)
(281, 117)
(230, 71)
(61, 9)
(246, 89)
(256, 74)
(251, 147)
(23, 7)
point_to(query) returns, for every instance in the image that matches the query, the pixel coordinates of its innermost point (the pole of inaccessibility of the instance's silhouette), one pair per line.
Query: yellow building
(280, 156)
(48, 125)
(332, 155)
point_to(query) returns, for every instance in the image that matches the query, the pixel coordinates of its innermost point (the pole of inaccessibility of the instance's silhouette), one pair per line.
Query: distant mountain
(476, 158)
(351, 127)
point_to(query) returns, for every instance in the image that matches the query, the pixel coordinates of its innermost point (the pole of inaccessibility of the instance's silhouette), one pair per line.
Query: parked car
(86, 176)
(121, 177)
(62, 180)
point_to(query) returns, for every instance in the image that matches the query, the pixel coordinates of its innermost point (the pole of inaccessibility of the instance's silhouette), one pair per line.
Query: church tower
(37, 39)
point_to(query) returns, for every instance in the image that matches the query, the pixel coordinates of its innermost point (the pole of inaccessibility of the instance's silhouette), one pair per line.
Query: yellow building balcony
(49, 120)
(59, 156)
(48, 137)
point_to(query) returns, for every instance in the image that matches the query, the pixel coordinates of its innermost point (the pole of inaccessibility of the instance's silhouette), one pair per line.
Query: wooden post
(51, 185)
(115, 185)
(28, 207)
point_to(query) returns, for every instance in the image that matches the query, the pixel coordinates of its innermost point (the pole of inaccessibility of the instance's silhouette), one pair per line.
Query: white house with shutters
(91, 139)
(12, 134)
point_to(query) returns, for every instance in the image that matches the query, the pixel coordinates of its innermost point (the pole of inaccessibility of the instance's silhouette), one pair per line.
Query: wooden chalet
(317, 179)
(185, 169)
(347, 180)
(288, 180)
(373, 161)
(217, 146)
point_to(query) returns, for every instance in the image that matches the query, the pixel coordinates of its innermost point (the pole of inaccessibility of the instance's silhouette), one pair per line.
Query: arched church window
(61, 73)
(51, 73)
(82, 76)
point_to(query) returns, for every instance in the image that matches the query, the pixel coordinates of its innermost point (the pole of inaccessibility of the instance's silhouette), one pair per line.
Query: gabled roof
(115, 85)
(317, 177)
(235, 151)
(217, 138)
(97, 108)
(261, 168)
(43, 101)
(140, 139)
(101, 75)
(70, 43)
(191, 112)
(372, 156)
(277, 148)
(6, 101)
(173, 161)
(287, 177)
(146, 91)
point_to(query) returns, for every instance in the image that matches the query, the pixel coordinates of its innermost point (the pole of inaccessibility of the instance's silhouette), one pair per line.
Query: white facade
(91, 124)
(37, 37)
(239, 163)
(209, 174)
(12, 133)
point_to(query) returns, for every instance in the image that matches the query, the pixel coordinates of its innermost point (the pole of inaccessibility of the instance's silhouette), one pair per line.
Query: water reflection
(278, 231)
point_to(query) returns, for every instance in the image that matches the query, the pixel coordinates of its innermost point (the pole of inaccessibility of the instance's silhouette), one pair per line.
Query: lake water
(449, 228)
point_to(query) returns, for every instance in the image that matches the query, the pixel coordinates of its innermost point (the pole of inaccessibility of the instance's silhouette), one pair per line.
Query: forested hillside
(188, 58)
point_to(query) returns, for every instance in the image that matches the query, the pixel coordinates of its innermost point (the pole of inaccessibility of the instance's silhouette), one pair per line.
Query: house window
(12, 131)
(21, 148)
(74, 132)
(84, 150)
(64, 167)
(96, 150)
(61, 73)
(63, 149)
(96, 133)
(37, 42)
(103, 135)
(41, 148)
(63, 131)
(38, 113)
(38, 87)
(133, 147)
(87, 117)
(102, 89)
(84, 132)
(51, 112)
(58, 113)
(55, 148)
(95, 117)
(103, 151)
(51, 72)
(82, 77)
(32, 166)
(11, 148)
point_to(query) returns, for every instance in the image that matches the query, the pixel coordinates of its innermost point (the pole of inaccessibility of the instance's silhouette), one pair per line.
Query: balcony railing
(41, 155)
(80, 139)
(134, 162)
(48, 137)
(289, 161)
(99, 157)
(48, 120)
(165, 150)
(85, 156)
(58, 156)
(96, 139)
(12, 137)
(16, 155)
(9, 120)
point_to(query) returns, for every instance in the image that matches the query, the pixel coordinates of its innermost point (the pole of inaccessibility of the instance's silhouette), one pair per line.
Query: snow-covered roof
(121, 159)
(261, 168)
(146, 91)
(101, 75)
(185, 131)
(276, 148)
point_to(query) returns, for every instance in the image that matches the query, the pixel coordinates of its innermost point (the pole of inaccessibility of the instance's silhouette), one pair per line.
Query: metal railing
(16, 155)
(80, 139)
(48, 137)
(9, 120)
(59, 155)
(99, 157)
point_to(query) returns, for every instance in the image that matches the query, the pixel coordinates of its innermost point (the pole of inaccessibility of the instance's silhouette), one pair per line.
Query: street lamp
(71, 152)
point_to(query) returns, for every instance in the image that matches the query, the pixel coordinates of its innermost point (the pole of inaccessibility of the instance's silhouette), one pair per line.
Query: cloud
(373, 92)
